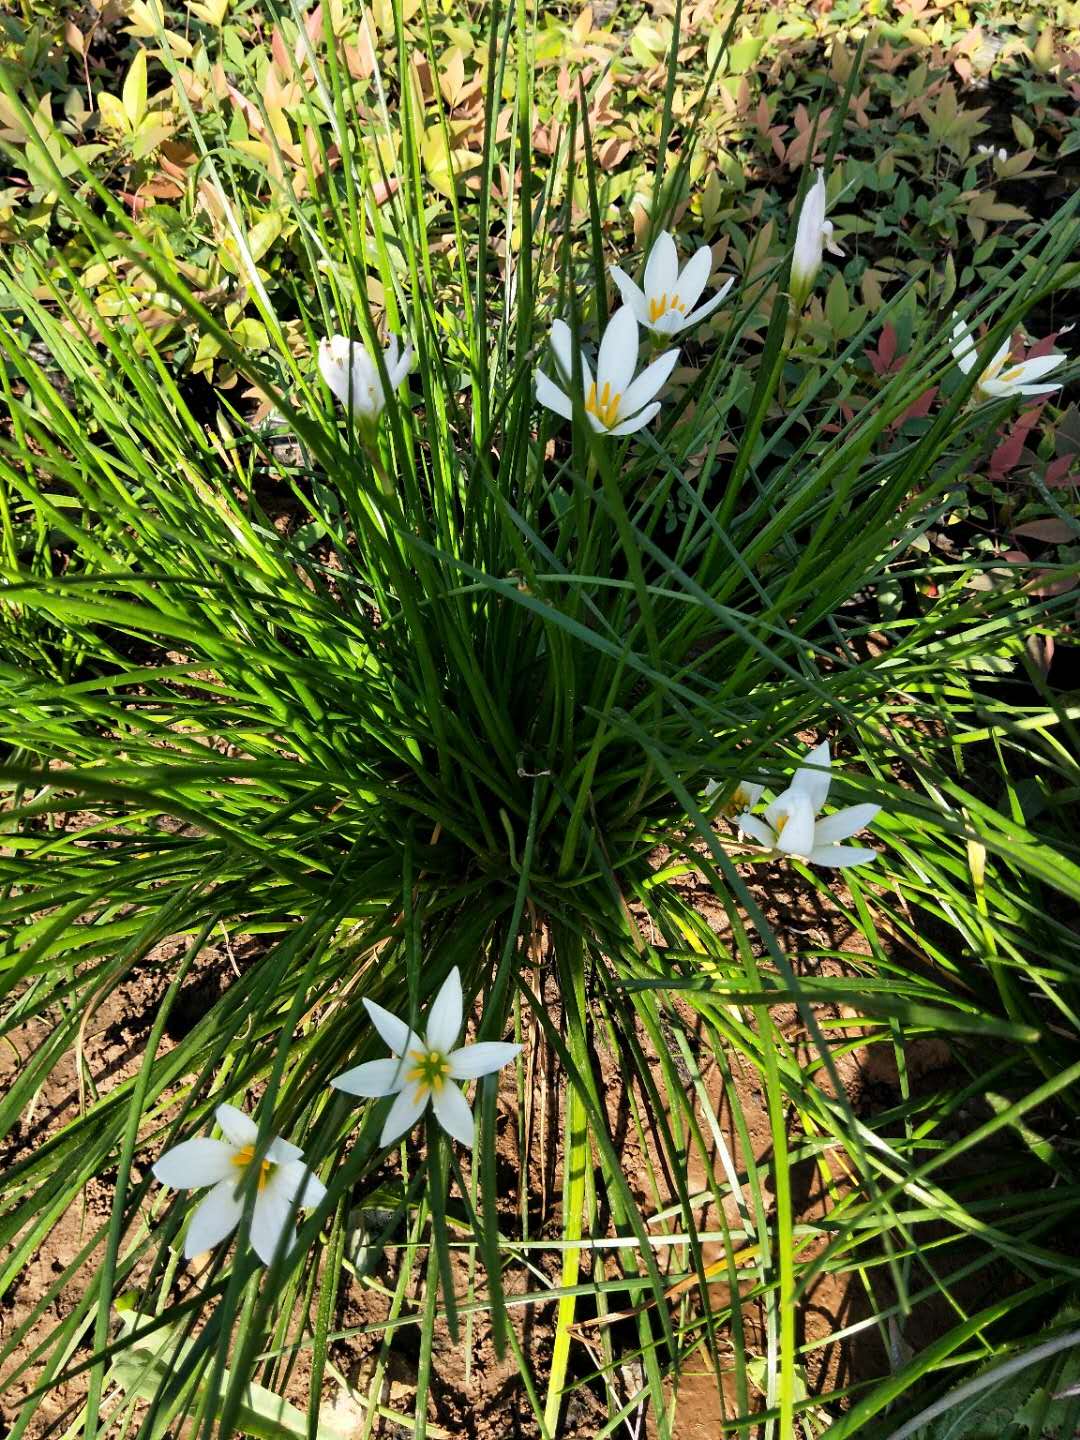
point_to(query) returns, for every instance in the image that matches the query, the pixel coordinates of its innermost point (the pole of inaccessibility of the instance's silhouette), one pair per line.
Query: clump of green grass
(445, 720)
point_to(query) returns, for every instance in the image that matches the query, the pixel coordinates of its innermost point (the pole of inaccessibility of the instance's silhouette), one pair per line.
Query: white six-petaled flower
(354, 378)
(999, 379)
(422, 1070)
(666, 304)
(614, 403)
(813, 236)
(285, 1184)
(744, 797)
(789, 825)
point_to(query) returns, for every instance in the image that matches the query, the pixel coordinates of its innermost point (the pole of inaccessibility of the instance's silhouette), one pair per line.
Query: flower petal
(453, 1113)
(668, 324)
(1033, 369)
(444, 1019)
(809, 239)
(367, 393)
(373, 1078)
(963, 346)
(394, 1031)
(751, 793)
(632, 294)
(334, 365)
(636, 422)
(651, 380)
(694, 277)
(844, 824)
(216, 1217)
(662, 267)
(280, 1152)
(472, 1061)
(551, 397)
(814, 781)
(239, 1129)
(617, 360)
(297, 1183)
(839, 857)
(562, 347)
(398, 369)
(404, 1113)
(271, 1219)
(195, 1163)
(792, 817)
(758, 830)
(710, 305)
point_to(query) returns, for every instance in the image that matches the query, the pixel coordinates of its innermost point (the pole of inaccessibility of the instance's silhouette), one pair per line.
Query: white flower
(1001, 154)
(615, 403)
(285, 1184)
(666, 305)
(743, 798)
(354, 377)
(789, 827)
(813, 236)
(423, 1070)
(996, 380)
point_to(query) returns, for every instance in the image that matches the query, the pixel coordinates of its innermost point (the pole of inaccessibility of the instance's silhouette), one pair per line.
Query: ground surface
(474, 1392)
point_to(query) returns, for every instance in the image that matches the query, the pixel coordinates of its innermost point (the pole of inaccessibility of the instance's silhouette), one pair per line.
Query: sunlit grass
(447, 721)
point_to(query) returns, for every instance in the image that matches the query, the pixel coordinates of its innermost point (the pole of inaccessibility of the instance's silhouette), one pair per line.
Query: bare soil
(474, 1392)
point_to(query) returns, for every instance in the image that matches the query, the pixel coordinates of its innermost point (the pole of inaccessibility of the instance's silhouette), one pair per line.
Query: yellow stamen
(781, 821)
(1011, 375)
(659, 307)
(243, 1158)
(430, 1070)
(739, 802)
(992, 370)
(606, 409)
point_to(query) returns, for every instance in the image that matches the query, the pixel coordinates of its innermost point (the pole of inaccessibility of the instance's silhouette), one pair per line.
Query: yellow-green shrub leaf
(134, 92)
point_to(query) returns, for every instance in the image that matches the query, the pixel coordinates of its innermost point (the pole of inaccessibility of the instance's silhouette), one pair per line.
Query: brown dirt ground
(474, 1393)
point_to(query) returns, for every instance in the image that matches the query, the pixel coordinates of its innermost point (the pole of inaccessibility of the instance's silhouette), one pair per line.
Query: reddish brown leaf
(1057, 472)
(918, 408)
(250, 112)
(360, 58)
(162, 187)
(1044, 346)
(1051, 531)
(1041, 650)
(383, 189)
(1056, 584)
(313, 25)
(1008, 454)
(882, 360)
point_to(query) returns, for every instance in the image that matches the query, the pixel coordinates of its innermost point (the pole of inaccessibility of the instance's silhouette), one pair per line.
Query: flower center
(430, 1070)
(781, 821)
(993, 371)
(739, 802)
(243, 1158)
(659, 306)
(606, 406)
